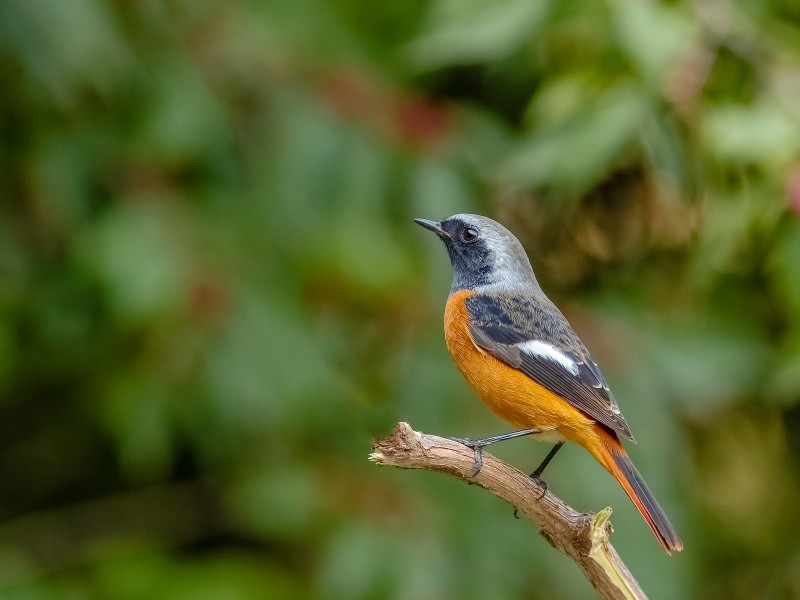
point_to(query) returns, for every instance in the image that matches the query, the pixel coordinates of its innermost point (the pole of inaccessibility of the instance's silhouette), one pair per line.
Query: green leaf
(136, 413)
(762, 133)
(65, 45)
(654, 36)
(575, 153)
(135, 253)
(474, 31)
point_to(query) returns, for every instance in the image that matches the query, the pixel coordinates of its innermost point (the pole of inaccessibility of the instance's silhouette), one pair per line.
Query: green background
(213, 297)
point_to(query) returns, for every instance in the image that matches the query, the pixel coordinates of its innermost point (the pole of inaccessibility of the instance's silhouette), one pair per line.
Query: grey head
(485, 255)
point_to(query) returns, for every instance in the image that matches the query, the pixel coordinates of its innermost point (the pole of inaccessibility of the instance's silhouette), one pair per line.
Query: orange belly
(510, 394)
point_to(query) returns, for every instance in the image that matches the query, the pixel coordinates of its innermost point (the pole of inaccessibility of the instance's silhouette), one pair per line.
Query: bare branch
(582, 537)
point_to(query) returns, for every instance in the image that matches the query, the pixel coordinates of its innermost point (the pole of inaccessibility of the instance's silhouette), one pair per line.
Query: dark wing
(547, 350)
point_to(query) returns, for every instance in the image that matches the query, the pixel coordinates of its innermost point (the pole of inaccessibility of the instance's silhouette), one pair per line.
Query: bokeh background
(213, 296)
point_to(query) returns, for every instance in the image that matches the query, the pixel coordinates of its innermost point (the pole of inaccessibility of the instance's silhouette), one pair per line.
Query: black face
(468, 250)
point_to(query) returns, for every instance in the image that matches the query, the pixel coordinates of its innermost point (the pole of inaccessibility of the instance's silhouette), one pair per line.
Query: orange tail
(616, 460)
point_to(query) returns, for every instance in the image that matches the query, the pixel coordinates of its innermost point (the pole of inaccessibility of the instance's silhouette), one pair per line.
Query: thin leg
(480, 444)
(537, 474)
(540, 469)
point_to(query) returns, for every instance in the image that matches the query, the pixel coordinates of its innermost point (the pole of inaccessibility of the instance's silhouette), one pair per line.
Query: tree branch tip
(599, 530)
(601, 527)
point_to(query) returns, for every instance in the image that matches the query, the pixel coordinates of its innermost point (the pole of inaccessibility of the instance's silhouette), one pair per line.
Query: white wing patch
(550, 353)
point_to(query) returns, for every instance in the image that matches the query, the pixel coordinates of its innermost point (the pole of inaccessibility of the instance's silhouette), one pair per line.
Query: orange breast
(510, 394)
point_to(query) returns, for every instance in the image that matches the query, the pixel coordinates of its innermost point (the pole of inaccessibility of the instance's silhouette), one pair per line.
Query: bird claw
(477, 446)
(541, 483)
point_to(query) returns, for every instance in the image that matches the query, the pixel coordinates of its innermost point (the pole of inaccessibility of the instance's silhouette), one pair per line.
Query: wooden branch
(582, 537)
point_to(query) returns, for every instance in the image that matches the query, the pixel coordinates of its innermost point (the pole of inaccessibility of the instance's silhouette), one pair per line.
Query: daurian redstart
(521, 356)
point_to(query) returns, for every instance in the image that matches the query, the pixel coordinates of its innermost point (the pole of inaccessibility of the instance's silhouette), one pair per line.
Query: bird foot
(477, 446)
(541, 483)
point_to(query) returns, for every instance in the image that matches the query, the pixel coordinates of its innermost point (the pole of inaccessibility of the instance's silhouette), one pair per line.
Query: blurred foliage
(213, 295)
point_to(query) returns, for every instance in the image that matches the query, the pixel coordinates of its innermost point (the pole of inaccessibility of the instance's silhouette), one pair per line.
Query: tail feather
(631, 481)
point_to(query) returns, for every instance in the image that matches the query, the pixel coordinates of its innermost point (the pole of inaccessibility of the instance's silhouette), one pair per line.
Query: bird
(519, 353)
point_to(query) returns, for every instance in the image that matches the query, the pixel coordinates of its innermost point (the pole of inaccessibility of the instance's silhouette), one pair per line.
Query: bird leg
(537, 474)
(480, 444)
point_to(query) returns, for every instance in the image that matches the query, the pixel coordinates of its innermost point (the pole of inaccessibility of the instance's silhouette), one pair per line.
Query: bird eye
(469, 235)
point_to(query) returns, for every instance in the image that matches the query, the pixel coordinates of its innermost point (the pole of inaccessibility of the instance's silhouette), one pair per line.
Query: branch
(582, 537)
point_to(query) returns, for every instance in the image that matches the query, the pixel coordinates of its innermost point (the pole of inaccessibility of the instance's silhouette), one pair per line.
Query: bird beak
(434, 226)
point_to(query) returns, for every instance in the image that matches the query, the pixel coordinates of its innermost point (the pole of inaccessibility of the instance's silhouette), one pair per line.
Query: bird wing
(518, 331)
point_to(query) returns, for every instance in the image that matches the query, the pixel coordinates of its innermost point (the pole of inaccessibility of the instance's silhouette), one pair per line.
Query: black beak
(434, 226)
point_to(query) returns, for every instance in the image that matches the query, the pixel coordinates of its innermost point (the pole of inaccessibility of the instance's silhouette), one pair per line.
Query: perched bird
(521, 356)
